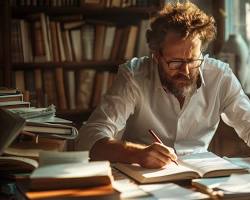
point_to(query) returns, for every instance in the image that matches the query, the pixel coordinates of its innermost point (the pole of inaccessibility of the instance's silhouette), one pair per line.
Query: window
(238, 18)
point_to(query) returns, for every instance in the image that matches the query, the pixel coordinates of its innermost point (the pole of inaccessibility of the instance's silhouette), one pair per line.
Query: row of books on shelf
(77, 3)
(41, 39)
(79, 89)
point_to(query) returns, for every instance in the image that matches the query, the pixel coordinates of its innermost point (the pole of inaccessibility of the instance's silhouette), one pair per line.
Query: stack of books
(12, 98)
(25, 131)
(52, 174)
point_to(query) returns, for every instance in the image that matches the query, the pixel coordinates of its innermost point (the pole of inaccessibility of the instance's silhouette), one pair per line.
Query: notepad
(190, 166)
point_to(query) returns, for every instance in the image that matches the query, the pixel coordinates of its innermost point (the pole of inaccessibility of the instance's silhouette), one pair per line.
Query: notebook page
(207, 162)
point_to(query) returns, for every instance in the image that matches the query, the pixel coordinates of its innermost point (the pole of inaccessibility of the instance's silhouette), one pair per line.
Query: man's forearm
(115, 151)
(155, 155)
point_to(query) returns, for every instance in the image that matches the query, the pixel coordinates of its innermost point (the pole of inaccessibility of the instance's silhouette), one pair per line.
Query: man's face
(178, 76)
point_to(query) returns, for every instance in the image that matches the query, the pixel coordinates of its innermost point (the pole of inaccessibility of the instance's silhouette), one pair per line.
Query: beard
(179, 85)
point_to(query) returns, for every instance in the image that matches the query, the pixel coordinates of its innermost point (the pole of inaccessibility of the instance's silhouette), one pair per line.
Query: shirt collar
(201, 77)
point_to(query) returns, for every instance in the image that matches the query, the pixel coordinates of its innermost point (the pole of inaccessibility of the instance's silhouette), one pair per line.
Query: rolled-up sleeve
(236, 106)
(110, 117)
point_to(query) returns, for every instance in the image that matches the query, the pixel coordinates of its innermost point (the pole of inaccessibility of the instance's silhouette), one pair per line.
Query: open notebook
(190, 166)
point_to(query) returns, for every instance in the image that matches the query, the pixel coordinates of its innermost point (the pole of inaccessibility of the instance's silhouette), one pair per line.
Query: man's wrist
(134, 152)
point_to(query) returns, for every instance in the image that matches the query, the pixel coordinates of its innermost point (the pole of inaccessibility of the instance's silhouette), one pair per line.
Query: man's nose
(185, 68)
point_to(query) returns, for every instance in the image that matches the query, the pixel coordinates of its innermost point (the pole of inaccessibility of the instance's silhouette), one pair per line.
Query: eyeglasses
(177, 64)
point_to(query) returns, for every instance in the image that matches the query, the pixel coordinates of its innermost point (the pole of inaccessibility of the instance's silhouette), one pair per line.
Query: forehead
(175, 46)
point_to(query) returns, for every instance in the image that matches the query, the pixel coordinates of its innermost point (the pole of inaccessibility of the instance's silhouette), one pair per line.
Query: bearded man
(178, 92)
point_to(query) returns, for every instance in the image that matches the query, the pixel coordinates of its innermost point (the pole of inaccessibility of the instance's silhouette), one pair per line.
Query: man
(179, 93)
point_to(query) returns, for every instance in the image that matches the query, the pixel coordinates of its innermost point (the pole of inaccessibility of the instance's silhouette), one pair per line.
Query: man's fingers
(166, 151)
(152, 153)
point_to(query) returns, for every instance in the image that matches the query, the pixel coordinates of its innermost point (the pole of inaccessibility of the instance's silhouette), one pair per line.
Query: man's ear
(156, 57)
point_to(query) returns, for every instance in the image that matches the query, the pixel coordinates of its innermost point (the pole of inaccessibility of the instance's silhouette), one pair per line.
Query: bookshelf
(100, 16)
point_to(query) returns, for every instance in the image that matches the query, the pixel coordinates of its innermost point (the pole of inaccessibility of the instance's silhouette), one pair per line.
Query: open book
(190, 166)
(236, 186)
(60, 170)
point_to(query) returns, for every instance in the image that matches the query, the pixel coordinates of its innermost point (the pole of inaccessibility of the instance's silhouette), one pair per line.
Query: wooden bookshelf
(88, 11)
(104, 65)
(111, 16)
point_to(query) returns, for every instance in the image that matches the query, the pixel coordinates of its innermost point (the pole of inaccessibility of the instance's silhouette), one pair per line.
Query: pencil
(159, 140)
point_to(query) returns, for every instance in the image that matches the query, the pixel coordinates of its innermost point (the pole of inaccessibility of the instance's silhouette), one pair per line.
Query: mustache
(182, 77)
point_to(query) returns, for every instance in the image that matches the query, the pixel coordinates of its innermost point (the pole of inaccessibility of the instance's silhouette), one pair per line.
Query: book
(56, 172)
(16, 164)
(71, 175)
(22, 155)
(190, 166)
(235, 186)
(13, 124)
(172, 191)
(51, 130)
(85, 88)
(240, 161)
(11, 97)
(33, 112)
(14, 104)
(90, 193)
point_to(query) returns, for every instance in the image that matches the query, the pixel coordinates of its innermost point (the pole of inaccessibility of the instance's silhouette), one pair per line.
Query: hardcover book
(191, 166)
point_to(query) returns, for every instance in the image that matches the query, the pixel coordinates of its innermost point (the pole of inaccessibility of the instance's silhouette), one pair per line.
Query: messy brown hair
(186, 19)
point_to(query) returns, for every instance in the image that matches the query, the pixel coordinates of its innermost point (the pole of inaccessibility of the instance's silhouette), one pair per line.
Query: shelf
(90, 11)
(111, 66)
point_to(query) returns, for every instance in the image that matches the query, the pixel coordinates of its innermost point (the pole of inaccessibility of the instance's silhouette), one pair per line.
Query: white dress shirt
(137, 102)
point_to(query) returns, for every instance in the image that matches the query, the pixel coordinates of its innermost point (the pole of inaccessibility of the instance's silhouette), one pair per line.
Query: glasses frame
(186, 62)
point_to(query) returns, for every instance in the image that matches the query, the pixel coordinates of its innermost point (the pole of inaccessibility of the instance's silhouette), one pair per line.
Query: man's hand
(155, 155)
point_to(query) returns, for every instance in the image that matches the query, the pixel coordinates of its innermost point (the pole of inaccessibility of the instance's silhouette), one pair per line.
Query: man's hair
(186, 19)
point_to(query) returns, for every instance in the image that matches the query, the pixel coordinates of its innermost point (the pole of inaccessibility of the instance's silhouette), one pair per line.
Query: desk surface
(129, 189)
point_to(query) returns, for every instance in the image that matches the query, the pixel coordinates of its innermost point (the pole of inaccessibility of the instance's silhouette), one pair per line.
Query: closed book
(26, 41)
(108, 42)
(99, 41)
(11, 97)
(8, 91)
(88, 37)
(51, 130)
(87, 193)
(77, 46)
(14, 104)
(19, 80)
(16, 164)
(131, 43)
(85, 88)
(71, 175)
(70, 85)
(142, 46)
(62, 170)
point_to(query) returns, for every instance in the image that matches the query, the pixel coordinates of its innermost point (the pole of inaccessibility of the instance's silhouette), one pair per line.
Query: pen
(159, 140)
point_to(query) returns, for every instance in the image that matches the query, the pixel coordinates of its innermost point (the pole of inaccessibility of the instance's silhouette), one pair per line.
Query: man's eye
(177, 62)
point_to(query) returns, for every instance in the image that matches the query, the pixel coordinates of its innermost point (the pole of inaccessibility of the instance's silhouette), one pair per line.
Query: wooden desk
(103, 192)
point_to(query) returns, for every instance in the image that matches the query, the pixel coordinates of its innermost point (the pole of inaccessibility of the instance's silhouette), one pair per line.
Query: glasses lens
(194, 63)
(178, 64)
(175, 64)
